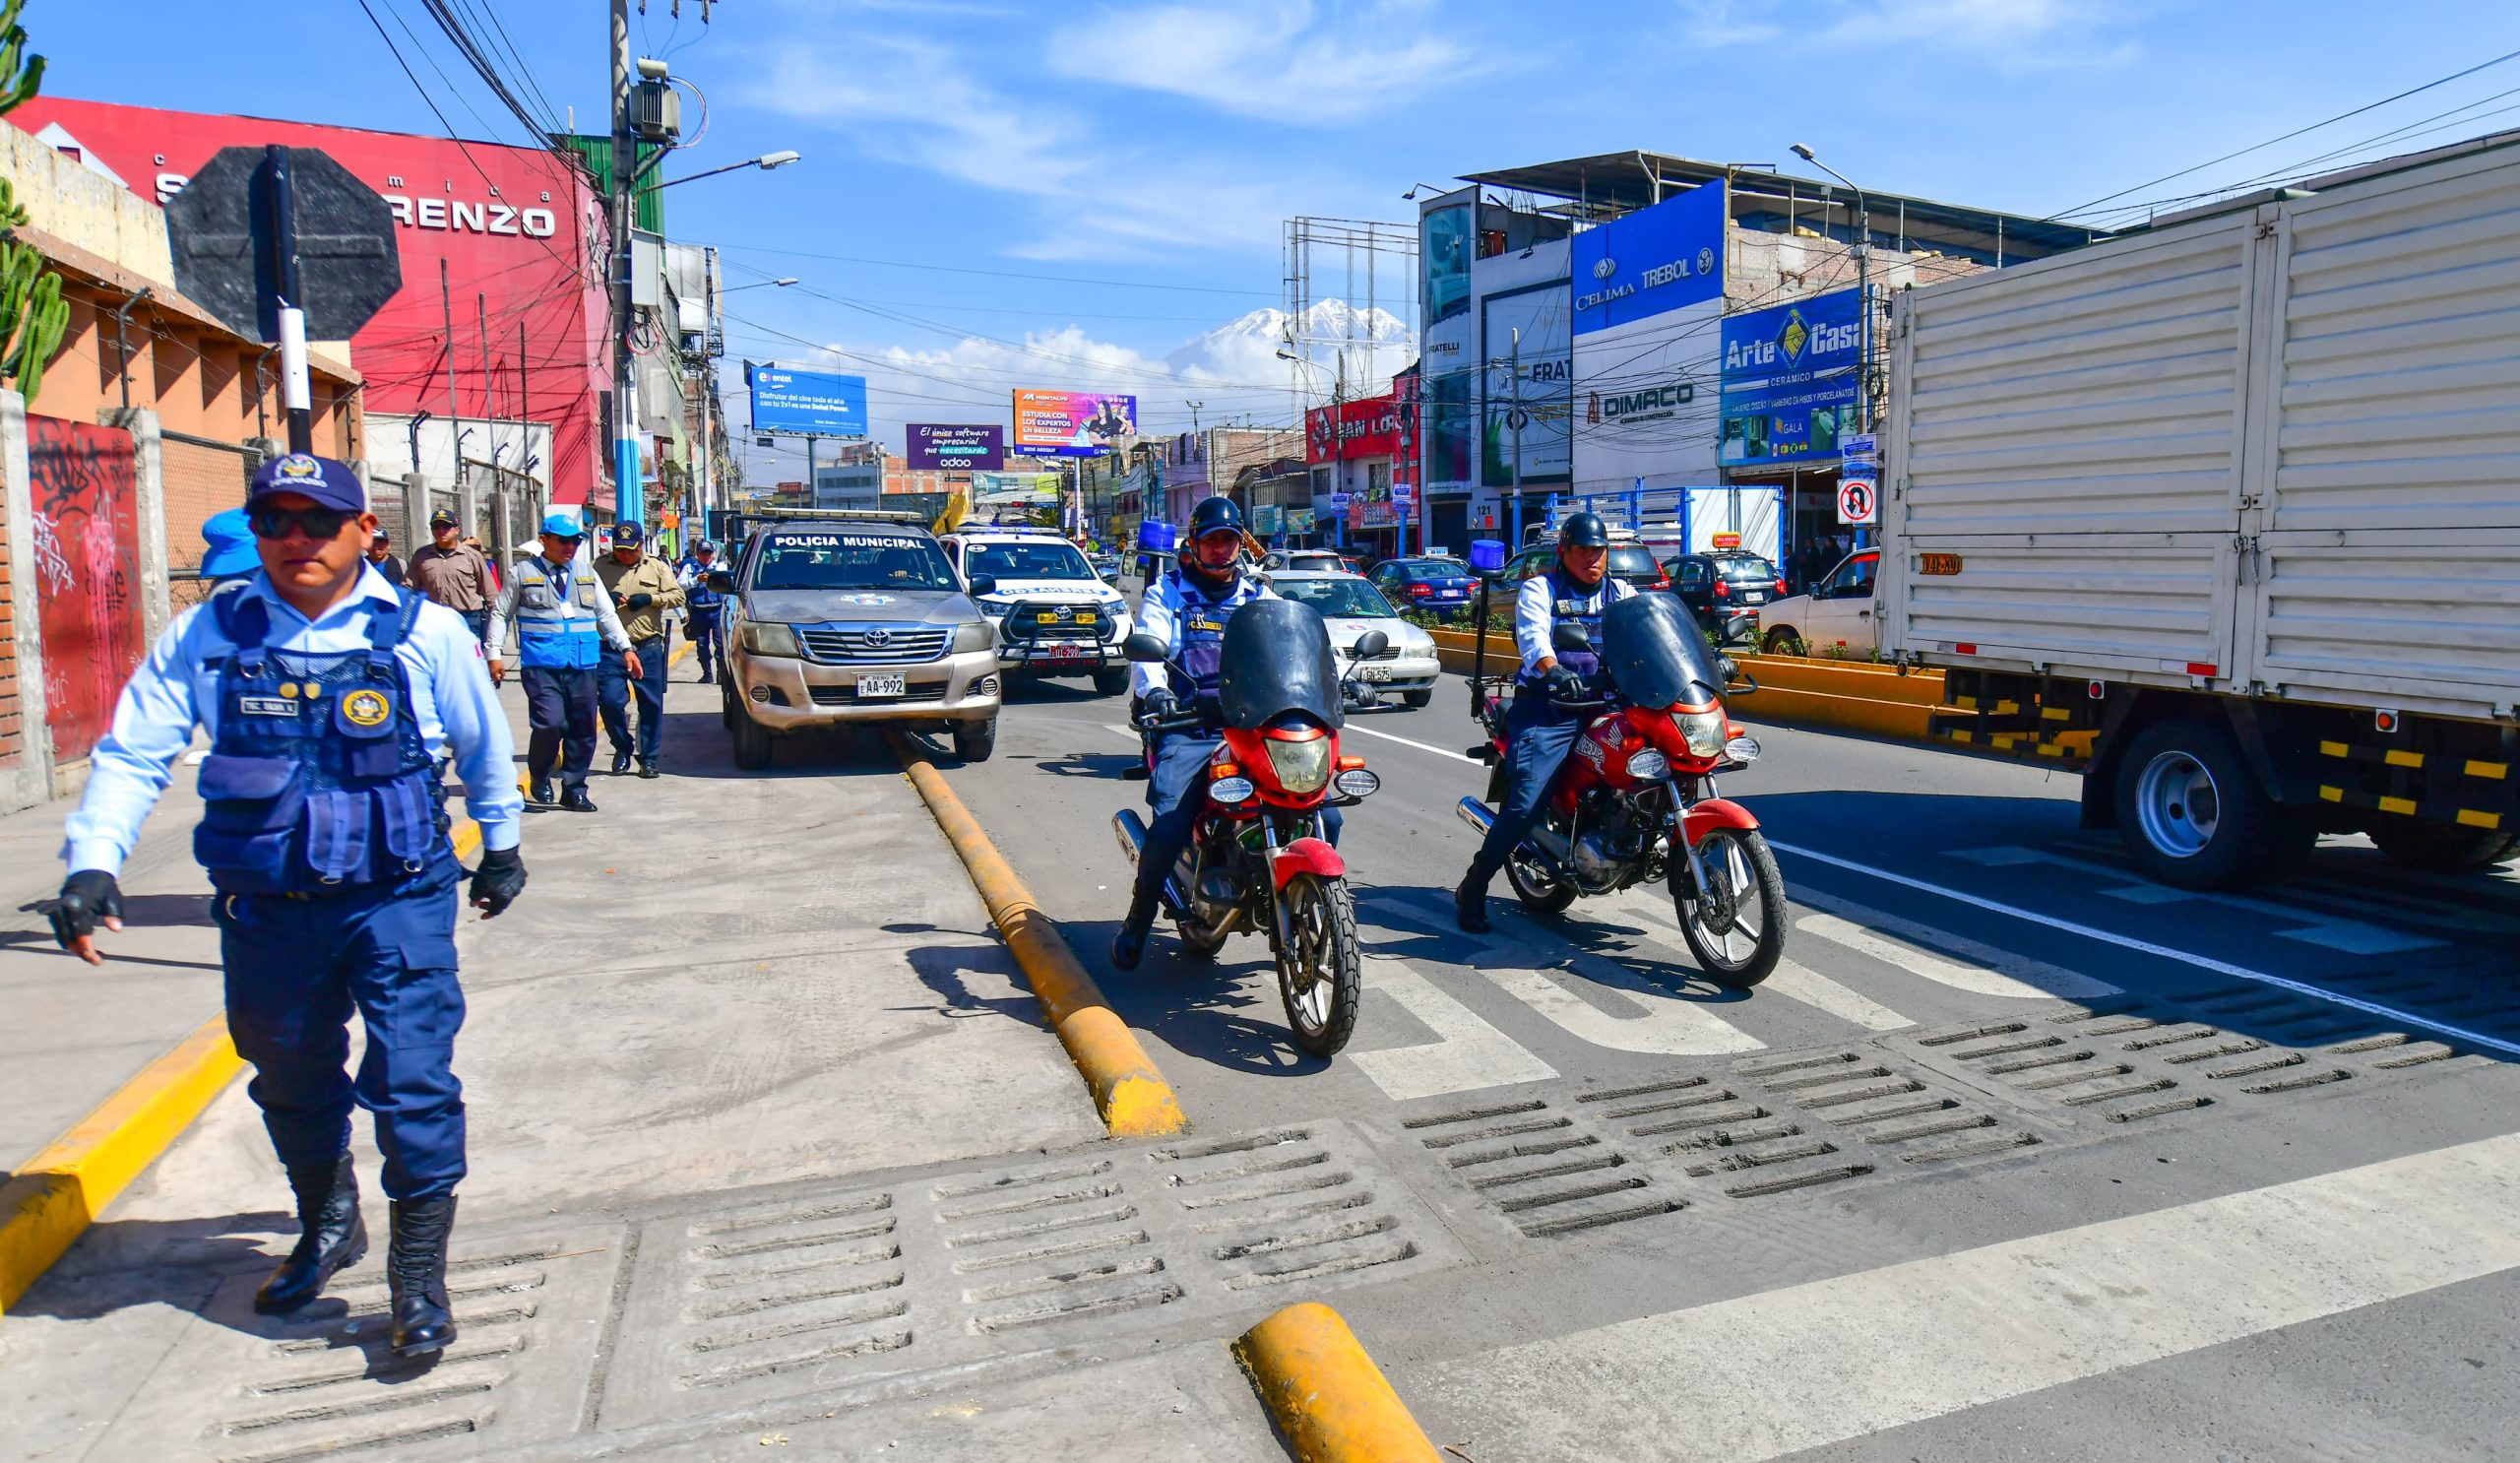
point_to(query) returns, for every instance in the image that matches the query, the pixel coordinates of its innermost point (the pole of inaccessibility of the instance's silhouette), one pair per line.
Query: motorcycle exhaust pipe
(1130, 830)
(1473, 812)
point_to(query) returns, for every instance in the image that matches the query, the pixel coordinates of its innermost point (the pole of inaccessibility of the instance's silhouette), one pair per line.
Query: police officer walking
(565, 627)
(1539, 735)
(1187, 609)
(643, 587)
(455, 574)
(701, 607)
(328, 696)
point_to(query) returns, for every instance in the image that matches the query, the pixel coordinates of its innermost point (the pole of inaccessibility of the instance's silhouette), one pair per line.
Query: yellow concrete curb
(1328, 1398)
(1131, 1095)
(49, 1202)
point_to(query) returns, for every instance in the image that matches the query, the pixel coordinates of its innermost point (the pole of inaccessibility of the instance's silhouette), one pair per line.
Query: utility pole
(490, 425)
(466, 507)
(627, 494)
(1514, 419)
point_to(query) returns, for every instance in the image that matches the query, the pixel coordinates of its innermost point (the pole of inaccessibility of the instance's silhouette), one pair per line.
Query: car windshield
(851, 559)
(1428, 569)
(1634, 561)
(1336, 598)
(1747, 569)
(1048, 559)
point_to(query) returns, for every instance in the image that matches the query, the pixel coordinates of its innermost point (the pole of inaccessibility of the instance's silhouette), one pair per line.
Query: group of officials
(338, 687)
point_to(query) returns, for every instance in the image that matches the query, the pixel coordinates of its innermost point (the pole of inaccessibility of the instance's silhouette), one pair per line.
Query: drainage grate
(1549, 1170)
(1846, 1112)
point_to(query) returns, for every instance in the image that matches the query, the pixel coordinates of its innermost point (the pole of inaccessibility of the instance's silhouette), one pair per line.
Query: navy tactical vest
(1572, 603)
(1198, 628)
(319, 779)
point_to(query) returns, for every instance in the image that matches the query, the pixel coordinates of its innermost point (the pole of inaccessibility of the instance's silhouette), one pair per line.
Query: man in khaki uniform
(455, 574)
(643, 589)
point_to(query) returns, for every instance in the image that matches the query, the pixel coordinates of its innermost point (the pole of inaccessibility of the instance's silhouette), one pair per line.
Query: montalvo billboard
(1073, 423)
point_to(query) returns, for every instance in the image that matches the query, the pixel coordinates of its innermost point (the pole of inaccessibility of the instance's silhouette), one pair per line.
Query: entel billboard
(513, 227)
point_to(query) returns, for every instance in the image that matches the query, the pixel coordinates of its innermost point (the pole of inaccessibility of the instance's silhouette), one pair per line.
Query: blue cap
(228, 541)
(561, 524)
(330, 483)
(628, 531)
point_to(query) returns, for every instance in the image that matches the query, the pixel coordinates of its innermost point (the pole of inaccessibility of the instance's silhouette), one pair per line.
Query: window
(1048, 559)
(1693, 574)
(1854, 577)
(1342, 599)
(852, 562)
(1378, 479)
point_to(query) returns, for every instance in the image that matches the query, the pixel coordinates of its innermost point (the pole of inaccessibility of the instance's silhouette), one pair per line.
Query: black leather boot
(331, 1237)
(1128, 945)
(416, 1271)
(1469, 903)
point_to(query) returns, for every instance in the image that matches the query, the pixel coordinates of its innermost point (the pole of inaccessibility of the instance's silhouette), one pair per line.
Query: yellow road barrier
(1131, 1095)
(1328, 1398)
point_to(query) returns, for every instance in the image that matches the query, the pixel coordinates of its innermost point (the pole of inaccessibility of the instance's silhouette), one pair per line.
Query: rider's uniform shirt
(1190, 622)
(1546, 598)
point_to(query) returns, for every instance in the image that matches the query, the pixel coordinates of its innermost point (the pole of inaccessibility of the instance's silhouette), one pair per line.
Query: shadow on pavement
(1223, 1011)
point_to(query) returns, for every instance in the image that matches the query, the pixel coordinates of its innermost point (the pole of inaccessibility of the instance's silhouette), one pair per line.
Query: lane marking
(1467, 1053)
(1989, 979)
(1420, 746)
(1790, 979)
(1847, 1358)
(2387, 1013)
(2352, 937)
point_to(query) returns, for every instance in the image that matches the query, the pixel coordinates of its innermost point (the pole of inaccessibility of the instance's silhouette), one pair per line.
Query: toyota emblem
(1604, 267)
(879, 638)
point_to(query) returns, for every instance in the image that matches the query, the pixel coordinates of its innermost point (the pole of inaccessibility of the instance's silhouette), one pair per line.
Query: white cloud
(2016, 35)
(1271, 60)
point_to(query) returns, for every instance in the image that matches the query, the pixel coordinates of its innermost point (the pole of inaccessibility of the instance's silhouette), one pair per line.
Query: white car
(1351, 605)
(1836, 618)
(1054, 616)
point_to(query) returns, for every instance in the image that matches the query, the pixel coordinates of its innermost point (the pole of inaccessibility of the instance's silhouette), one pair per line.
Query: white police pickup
(1054, 616)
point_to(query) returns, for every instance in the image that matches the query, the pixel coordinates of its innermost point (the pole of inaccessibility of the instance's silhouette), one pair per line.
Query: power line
(949, 269)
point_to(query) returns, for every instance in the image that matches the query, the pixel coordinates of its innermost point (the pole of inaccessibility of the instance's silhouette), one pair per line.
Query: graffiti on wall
(82, 481)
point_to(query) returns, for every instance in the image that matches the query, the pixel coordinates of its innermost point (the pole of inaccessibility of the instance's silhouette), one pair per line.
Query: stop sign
(224, 233)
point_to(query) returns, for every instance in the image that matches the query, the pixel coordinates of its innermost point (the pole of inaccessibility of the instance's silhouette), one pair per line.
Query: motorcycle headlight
(1703, 731)
(767, 638)
(1301, 766)
(974, 636)
(1648, 764)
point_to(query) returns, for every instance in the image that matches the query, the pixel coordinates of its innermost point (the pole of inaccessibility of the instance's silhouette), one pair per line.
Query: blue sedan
(1444, 587)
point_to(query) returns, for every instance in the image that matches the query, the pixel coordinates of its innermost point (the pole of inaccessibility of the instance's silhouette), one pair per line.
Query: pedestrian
(455, 574)
(702, 606)
(380, 552)
(328, 696)
(228, 557)
(565, 627)
(643, 587)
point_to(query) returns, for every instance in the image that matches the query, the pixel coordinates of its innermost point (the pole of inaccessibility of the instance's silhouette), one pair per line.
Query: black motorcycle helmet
(1212, 515)
(1583, 531)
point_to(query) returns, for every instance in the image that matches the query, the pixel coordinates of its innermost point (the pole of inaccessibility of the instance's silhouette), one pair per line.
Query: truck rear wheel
(1782, 641)
(2440, 848)
(2193, 815)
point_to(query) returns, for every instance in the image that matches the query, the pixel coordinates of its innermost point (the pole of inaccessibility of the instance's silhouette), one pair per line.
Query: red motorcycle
(1257, 860)
(1642, 770)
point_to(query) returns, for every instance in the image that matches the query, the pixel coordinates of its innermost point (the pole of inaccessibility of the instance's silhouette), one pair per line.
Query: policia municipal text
(330, 697)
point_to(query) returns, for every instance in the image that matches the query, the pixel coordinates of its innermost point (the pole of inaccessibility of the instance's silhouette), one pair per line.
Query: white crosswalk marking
(1667, 1027)
(1995, 972)
(1655, 918)
(1467, 1053)
(1823, 1363)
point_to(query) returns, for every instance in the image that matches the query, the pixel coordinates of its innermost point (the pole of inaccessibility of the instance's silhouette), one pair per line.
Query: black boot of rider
(1469, 903)
(1128, 947)
(331, 1237)
(416, 1271)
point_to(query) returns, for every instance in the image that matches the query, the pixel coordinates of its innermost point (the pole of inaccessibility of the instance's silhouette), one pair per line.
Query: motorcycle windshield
(1656, 654)
(1276, 659)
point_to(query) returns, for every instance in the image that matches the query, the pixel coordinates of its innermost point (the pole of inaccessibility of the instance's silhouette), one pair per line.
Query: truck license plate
(871, 687)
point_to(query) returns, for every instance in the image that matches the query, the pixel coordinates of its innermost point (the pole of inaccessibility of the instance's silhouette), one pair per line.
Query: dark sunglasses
(571, 539)
(314, 523)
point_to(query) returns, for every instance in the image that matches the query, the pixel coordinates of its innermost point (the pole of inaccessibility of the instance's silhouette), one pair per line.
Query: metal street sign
(1861, 447)
(227, 230)
(1858, 500)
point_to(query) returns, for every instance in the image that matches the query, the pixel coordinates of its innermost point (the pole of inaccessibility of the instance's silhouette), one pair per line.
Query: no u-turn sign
(1858, 500)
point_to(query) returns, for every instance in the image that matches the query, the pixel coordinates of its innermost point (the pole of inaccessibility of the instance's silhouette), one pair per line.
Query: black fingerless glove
(499, 880)
(87, 897)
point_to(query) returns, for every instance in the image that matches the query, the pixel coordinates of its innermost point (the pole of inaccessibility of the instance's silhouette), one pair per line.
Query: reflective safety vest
(550, 633)
(1571, 603)
(319, 778)
(1198, 630)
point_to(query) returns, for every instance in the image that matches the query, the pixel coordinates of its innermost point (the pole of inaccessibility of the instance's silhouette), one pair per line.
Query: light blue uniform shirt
(1536, 616)
(1159, 615)
(174, 691)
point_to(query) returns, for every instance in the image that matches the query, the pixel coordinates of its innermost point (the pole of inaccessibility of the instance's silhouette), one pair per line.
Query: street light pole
(1862, 288)
(627, 489)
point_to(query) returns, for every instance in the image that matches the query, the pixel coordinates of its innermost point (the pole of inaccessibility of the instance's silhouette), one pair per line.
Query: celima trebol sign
(1654, 260)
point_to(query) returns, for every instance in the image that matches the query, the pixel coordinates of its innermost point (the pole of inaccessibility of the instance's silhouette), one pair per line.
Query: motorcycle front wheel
(1318, 971)
(1738, 933)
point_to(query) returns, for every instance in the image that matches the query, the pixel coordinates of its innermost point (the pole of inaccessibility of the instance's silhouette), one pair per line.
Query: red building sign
(1353, 430)
(519, 233)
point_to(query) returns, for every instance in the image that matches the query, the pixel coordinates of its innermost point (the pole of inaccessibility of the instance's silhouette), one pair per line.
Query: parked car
(1308, 560)
(1351, 605)
(1054, 616)
(1726, 588)
(854, 618)
(1442, 586)
(1630, 561)
(1837, 616)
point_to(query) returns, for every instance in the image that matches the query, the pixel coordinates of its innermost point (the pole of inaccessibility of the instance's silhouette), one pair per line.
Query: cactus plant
(20, 74)
(33, 316)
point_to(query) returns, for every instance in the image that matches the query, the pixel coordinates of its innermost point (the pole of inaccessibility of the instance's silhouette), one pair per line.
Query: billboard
(512, 226)
(1648, 308)
(808, 404)
(1353, 430)
(1653, 261)
(1532, 419)
(1073, 423)
(1790, 379)
(956, 448)
(1444, 244)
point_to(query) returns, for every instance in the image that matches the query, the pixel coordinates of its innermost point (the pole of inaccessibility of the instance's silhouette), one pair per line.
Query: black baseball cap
(442, 519)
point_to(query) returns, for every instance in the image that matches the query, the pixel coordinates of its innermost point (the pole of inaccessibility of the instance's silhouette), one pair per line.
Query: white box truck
(2227, 514)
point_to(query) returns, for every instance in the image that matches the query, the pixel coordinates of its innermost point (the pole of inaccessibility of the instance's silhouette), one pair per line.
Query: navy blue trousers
(1179, 773)
(709, 643)
(297, 969)
(560, 705)
(1537, 739)
(614, 688)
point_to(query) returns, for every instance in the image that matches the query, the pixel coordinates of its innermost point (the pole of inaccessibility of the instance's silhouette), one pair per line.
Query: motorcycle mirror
(1570, 637)
(1143, 647)
(983, 583)
(1730, 668)
(1372, 644)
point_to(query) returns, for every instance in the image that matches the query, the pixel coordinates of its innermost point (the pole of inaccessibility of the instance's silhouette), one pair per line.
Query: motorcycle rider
(1537, 734)
(1186, 609)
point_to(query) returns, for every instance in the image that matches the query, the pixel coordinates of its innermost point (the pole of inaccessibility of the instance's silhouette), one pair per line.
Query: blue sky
(1092, 188)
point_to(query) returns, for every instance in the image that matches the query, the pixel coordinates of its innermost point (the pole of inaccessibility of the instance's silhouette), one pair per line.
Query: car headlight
(768, 638)
(1301, 766)
(975, 636)
(1648, 764)
(1703, 730)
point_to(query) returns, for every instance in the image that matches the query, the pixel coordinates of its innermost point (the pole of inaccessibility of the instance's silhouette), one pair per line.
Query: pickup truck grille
(848, 695)
(876, 644)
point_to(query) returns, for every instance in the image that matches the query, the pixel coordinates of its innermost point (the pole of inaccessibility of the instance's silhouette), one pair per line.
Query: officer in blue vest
(702, 608)
(328, 696)
(565, 624)
(1539, 735)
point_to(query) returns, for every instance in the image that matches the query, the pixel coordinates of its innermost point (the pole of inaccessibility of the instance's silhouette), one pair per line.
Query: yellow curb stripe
(1131, 1095)
(49, 1202)
(1328, 1398)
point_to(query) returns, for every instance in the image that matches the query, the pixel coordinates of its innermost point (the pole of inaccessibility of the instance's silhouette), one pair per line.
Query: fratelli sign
(1790, 379)
(1654, 260)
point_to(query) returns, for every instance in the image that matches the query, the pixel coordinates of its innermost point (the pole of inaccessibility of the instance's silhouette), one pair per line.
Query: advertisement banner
(1073, 423)
(1354, 432)
(1444, 244)
(1452, 416)
(1790, 379)
(808, 404)
(1535, 416)
(1652, 261)
(955, 448)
